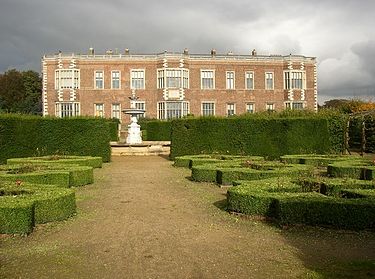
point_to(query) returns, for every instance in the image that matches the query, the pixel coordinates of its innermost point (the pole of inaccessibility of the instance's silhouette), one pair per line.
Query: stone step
(146, 148)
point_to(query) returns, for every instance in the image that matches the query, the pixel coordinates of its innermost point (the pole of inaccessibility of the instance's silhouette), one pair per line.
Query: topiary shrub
(285, 201)
(22, 206)
(227, 172)
(316, 159)
(360, 169)
(189, 161)
(94, 162)
(61, 175)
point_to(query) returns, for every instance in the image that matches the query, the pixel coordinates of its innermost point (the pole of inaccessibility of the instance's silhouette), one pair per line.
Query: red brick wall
(88, 96)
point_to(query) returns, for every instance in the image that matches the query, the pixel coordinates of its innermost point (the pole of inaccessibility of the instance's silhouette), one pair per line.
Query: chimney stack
(254, 52)
(213, 52)
(91, 51)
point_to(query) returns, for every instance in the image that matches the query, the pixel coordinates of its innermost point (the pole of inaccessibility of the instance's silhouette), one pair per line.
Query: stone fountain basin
(133, 111)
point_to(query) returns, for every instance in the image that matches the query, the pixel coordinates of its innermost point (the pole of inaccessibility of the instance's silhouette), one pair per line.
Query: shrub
(370, 133)
(194, 160)
(290, 205)
(113, 125)
(22, 206)
(359, 169)
(23, 136)
(157, 130)
(316, 159)
(61, 175)
(271, 135)
(94, 162)
(227, 172)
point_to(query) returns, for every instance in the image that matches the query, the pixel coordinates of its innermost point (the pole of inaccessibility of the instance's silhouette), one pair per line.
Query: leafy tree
(20, 92)
(349, 106)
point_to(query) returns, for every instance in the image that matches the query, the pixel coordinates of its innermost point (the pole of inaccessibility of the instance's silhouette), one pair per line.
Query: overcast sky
(340, 33)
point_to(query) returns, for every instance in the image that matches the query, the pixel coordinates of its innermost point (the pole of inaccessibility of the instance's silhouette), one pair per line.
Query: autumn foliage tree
(350, 106)
(20, 92)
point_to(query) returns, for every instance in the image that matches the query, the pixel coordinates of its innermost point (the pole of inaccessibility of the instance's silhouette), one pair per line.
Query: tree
(349, 106)
(20, 92)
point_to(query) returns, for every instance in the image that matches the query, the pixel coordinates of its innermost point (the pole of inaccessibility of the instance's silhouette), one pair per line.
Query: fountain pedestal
(134, 132)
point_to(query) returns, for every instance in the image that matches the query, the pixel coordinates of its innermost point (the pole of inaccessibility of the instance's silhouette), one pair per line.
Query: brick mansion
(173, 85)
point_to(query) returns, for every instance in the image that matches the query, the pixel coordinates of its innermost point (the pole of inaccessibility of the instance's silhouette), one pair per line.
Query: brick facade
(82, 92)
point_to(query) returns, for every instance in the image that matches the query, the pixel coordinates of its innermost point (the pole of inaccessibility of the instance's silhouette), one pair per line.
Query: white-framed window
(116, 111)
(67, 109)
(99, 110)
(99, 79)
(207, 79)
(173, 78)
(294, 80)
(294, 105)
(231, 109)
(270, 106)
(249, 80)
(140, 105)
(161, 79)
(115, 80)
(185, 78)
(250, 107)
(169, 110)
(269, 80)
(208, 108)
(137, 79)
(230, 79)
(67, 79)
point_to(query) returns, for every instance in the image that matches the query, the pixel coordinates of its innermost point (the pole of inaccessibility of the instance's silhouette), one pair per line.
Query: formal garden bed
(361, 169)
(324, 190)
(316, 159)
(95, 162)
(226, 173)
(38, 189)
(24, 205)
(61, 175)
(189, 161)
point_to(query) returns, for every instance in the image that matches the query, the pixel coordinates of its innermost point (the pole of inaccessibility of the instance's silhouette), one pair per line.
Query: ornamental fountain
(134, 130)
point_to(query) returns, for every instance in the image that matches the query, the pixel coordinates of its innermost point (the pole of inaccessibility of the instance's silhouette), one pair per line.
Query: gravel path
(142, 218)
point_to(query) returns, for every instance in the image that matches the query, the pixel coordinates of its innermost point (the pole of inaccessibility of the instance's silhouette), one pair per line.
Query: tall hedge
(264, 135)
(355, 132)
(156, 130)
(370, 133)
(114, 128)
(27, 136)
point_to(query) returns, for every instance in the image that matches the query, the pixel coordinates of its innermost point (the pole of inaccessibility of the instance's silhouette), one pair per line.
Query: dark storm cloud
(339, 33)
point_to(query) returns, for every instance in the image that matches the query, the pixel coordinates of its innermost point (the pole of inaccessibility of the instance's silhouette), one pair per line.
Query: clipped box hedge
(287, 203)
(195, 160)
(316, 159)
(25, 136)
(270, 136)
(61, 175)
(360, 169)
(94, 162)
(226, 176)
(22, 206)
(226, 173)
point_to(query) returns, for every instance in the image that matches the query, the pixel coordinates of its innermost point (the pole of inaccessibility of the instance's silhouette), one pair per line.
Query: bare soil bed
(142, 218)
